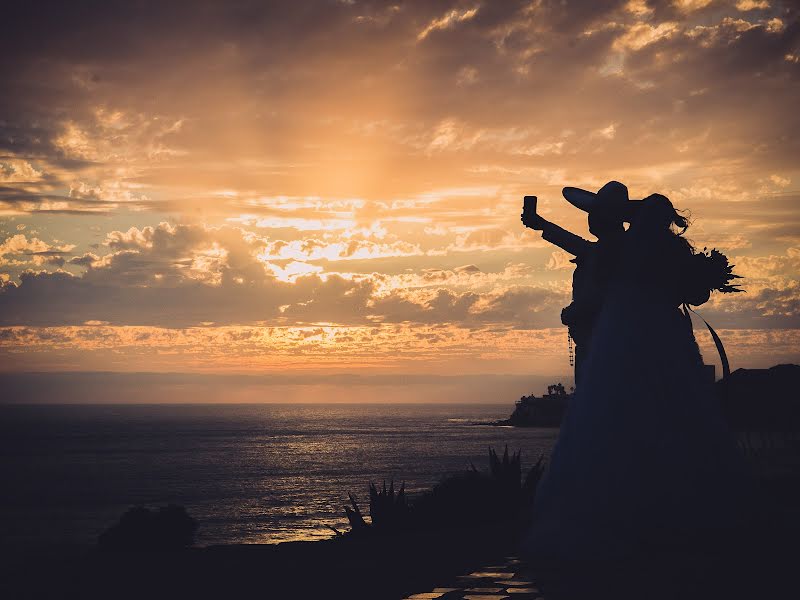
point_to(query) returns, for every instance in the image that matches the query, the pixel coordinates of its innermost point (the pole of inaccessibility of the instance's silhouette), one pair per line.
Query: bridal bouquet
(713, 272)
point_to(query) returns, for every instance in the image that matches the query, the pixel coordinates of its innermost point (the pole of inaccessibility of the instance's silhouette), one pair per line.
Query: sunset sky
(327, 193)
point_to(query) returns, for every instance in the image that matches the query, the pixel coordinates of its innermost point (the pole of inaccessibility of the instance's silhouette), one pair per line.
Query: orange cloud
(351, 183)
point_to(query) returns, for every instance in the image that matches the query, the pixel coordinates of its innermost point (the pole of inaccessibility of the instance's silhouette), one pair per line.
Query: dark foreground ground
(470, 563)
(339, 568)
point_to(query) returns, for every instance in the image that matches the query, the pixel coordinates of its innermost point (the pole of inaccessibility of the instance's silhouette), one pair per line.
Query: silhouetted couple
(643, 457)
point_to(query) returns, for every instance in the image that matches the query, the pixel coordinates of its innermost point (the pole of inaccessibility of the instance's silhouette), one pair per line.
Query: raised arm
(558, 236)
(566, 240)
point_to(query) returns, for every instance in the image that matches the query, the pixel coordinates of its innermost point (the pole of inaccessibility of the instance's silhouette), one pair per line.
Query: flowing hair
(677, 221)
(681, 221)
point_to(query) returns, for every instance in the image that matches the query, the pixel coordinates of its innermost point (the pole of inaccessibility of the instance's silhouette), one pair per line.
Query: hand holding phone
(529, 216)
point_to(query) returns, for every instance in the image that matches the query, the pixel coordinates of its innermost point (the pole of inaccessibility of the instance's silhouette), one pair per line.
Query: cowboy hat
(611, 198)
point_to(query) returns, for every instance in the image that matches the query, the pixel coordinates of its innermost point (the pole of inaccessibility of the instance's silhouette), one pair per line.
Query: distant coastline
(540, 411)
(752, 400)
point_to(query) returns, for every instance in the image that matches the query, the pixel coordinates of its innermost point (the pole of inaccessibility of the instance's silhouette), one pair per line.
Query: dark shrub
(166, 528)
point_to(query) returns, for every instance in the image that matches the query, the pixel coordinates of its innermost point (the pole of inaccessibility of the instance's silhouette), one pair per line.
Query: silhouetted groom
(595, 261)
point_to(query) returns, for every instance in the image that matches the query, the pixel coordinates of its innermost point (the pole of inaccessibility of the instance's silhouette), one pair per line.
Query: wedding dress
(644, 457)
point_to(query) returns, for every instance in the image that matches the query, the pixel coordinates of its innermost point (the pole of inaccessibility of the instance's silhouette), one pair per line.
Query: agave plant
(465, 499)
(507, 473)
(388, 511)
(357, 522)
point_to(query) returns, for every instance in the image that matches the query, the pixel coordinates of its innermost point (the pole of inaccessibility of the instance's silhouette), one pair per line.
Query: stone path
(683, 576)
(507, 580)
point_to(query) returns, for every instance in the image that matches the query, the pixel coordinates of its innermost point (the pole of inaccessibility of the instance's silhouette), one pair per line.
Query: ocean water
(255, 473)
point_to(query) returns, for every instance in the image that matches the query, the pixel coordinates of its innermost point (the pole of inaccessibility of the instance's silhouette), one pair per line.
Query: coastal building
(543, 411)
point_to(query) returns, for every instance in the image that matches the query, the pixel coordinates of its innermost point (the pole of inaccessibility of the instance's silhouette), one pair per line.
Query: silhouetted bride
(643, 457)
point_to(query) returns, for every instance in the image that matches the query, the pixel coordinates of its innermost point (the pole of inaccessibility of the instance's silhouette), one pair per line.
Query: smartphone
(529, 204)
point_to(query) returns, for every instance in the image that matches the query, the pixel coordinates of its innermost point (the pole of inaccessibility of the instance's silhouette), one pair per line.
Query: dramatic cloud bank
(336, 185)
